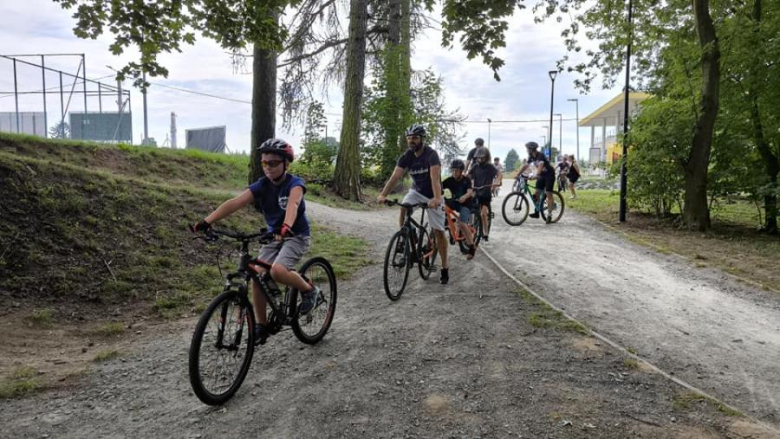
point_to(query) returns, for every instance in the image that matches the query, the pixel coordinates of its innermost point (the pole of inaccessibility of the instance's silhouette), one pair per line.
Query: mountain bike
(517, 205)
(414, 243)
(224, 340)
(453, 229)
(484, 230)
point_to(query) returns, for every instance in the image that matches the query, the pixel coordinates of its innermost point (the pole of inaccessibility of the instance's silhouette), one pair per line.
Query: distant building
(606, 123)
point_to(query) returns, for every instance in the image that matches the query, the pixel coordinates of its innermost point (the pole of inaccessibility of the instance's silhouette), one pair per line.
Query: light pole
(560, 132)
(544, 137)
(577, 109)
(553, 74)
(623, 175)
(546, 130)
(489, 122)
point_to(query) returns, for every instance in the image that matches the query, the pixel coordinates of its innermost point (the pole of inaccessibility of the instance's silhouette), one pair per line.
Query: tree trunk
(347, 173)
(263, 105)
(696, 213)
(771, 161)
(406, 69)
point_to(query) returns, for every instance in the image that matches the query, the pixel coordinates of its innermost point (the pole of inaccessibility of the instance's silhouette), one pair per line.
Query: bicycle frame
(410, 225)
(453, 221)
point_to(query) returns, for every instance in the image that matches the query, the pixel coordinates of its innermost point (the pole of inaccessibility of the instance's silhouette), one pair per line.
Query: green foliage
(511, 160)
(427, 100)
(660, 140)
(481, 25)
(162, 26)
(22, 380)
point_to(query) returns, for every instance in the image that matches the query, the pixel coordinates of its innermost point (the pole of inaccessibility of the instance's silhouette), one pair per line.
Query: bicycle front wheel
(396, 270)
(221, 349)
(312, 327)
(554, 214)
(428, 250)
(515, 208)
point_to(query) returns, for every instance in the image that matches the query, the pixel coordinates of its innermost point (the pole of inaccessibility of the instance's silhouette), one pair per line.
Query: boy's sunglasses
(271, 163)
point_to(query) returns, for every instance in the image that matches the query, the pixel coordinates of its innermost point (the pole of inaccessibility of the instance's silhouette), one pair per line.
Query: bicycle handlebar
(212, 235)
(407, 205)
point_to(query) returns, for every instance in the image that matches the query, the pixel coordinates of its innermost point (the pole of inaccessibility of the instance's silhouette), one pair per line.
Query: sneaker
(472, 251)
(261, 334)
(485, 238)
(534, 215)
(445, 276)
(399, 246)
(308, 300)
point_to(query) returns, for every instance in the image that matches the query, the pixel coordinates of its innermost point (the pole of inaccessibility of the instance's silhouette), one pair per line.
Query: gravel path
(461, 360)
(700, 324)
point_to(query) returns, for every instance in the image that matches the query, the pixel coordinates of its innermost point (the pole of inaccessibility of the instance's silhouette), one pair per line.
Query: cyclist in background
(563, 170)
(279, 197)
(483, 174)
(425, 168)
(500, 177)
(478, 143)
(545, 175)
(462, 198)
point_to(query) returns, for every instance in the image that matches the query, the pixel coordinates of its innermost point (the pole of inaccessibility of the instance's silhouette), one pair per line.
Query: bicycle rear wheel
(221, 349)
(515, 208)
(557, 210)
(396, 269)
(312, 327)
(428, 250)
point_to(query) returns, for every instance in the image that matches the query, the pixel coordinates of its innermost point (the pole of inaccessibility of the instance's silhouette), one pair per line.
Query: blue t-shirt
(271, 200)
(420, 169)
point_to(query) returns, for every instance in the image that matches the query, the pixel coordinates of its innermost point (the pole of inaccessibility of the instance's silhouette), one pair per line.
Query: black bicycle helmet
(415, 130)
(479, 141)
(458, 164)
(532, 145)
(277, 146)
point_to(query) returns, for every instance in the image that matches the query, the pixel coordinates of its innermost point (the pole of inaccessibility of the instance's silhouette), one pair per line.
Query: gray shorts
(287, 252)
(435, 216)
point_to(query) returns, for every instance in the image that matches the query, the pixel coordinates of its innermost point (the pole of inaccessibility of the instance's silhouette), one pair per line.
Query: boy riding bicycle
(462, 198)
(279, 197)
(425, 168)
(545, 175)
(483, 174)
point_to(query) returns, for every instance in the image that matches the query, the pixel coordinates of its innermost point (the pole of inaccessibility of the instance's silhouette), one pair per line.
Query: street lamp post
(553, 74)
(544, 137)
(577, 109)
(489, 122)
(623, 173)
(547, 131)
(560, 132)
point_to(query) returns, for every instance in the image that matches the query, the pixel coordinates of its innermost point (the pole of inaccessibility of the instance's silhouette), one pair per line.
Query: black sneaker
(445, 276)
(308, 300)
(399, 246)
(261, 334)
(485, 238)
(534, 215)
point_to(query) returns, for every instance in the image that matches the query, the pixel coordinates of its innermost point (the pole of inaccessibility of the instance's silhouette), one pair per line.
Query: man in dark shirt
(478, 143)
(483, 174)
(424, 166)
(461, 198)
(545, 175)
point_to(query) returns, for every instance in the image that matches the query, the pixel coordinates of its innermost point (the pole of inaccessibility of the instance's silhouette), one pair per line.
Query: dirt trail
(700, 324)
(445, 361)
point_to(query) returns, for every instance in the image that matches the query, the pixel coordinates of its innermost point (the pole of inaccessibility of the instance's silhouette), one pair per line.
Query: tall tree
(347, 173)
(263, 105)
(511, 160)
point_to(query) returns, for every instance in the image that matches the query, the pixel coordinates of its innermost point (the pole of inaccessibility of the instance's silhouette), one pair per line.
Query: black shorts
(573, 178)
(484, 200)
(545, 183)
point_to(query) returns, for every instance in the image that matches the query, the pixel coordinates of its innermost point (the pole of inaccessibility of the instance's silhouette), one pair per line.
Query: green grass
(630, 363)
(41, 318)
(547, 317)
(685, 400)
(22, 381)
(106, 355)
(111, 328)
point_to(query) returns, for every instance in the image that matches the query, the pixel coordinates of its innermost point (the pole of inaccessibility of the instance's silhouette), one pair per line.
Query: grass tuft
(22, 381)
(106, 355)
(41, 318)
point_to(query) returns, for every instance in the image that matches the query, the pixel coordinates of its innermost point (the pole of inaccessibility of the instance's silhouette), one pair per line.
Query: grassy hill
(86, 227)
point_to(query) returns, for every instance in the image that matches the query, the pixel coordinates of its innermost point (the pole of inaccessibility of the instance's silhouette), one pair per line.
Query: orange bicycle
(453, 229)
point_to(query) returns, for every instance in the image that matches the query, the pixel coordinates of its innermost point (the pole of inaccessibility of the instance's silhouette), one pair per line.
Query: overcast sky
(41, 26)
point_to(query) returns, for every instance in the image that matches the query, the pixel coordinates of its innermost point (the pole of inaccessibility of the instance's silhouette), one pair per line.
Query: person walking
(573, 175)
